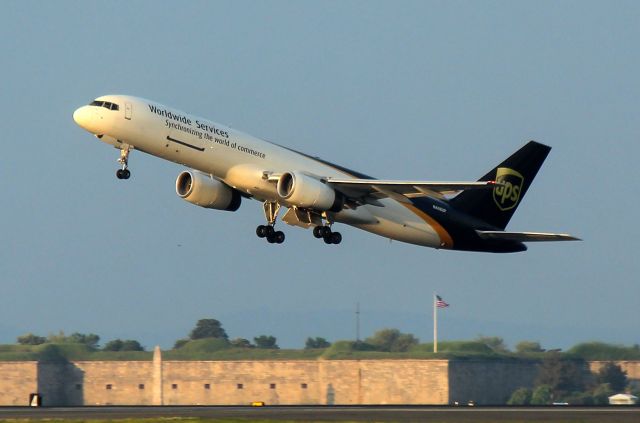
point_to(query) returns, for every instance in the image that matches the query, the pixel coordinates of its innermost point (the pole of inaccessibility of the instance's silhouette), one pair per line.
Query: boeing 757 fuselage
(227, 165)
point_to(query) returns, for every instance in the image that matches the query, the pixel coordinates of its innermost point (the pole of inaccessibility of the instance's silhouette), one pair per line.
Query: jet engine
(205, 191)
(304, 191)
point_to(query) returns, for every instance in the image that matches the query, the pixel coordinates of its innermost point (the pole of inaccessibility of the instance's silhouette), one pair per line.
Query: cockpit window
(105, 104)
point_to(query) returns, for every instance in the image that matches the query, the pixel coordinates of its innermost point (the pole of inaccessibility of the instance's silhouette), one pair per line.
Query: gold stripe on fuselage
(445, 239)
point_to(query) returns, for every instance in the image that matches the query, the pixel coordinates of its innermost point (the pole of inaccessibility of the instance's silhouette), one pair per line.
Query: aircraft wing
(369, 190)
(525, 236)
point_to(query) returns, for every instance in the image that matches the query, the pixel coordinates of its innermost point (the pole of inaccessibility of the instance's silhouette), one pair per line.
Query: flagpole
(435, 325)
(358, 322)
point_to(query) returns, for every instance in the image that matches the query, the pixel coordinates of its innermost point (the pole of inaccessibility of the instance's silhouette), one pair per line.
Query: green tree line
(90, 340)
(209, 335)
(568, 380)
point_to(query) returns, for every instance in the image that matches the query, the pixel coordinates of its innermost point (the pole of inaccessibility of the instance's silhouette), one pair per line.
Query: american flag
(440, 303)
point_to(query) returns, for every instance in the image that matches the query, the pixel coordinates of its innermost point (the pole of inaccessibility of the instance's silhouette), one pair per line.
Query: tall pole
(435, 325)
(358, 322)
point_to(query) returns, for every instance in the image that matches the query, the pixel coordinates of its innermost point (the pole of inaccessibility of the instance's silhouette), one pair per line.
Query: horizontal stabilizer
(525, 236)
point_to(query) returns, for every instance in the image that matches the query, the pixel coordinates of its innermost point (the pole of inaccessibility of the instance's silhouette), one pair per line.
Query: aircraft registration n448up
(227, 166)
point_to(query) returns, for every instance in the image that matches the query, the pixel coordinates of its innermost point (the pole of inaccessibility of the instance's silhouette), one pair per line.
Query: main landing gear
(273, 236)
(267, 231)
(124, 173)
(327, 235)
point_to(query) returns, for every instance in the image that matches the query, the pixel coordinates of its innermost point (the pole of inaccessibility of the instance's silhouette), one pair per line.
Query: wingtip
(568, 237)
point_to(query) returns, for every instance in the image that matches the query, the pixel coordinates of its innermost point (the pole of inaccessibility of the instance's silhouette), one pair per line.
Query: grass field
(323, 414)
(207, 349)
(242, 420)
(152, 420)
(217, 349)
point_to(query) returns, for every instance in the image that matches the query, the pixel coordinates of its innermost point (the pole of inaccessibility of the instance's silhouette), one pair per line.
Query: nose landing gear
(124, 173)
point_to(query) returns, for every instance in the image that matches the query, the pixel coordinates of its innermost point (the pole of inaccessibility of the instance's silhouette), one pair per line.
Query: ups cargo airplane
(228, 165)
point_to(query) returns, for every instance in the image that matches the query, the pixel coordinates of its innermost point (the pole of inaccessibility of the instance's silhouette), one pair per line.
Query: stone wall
(18, 379)
(60, 383)
(488, 381)
(115, 382)
(94, 383)
(631, 367)
(306, 382)
(240, 382)
(318, 382)
(402, 382)
(313, 382)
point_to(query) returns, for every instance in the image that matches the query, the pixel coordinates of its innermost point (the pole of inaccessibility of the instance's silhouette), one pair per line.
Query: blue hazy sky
(432, 90)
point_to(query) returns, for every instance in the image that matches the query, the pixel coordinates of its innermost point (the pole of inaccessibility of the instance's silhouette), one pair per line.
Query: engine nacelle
(204, 191)
(304, 191)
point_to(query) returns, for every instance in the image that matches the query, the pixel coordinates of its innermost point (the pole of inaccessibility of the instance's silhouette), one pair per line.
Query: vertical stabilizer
(514, 176)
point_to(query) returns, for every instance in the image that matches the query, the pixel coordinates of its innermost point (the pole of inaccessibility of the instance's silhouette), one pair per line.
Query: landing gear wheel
(269, 231)
(327, 235)
(123, 174)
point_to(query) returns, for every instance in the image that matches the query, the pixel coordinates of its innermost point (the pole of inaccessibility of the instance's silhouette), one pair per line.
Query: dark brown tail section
(514, 176)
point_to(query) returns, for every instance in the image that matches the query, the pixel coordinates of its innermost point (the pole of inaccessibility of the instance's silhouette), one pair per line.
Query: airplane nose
(80, 116)
(87, 118)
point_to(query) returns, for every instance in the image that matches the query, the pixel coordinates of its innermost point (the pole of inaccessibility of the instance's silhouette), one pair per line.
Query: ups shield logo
(507, 193)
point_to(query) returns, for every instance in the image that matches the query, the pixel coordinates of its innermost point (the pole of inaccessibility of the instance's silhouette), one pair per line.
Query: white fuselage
(239, 160)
